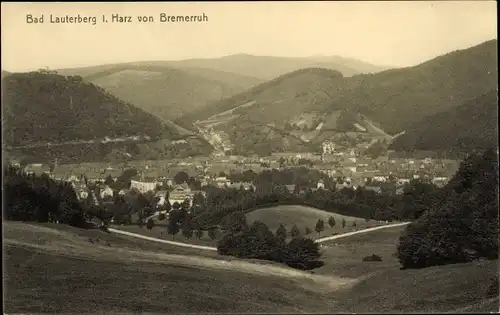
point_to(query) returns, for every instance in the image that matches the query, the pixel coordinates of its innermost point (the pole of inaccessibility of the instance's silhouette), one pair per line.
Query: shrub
(372, 257)
(493, 287)
(150, 224)
(161, 216)
(212, 233)
(300, 253)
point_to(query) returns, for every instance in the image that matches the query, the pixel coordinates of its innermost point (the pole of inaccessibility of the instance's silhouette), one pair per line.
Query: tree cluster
(464, 225)
(40, 199)
(258, 242)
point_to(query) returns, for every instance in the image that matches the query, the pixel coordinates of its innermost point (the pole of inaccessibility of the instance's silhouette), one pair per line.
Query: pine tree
(295, 231)
(331, 222)
(281, 232)
(320, 226)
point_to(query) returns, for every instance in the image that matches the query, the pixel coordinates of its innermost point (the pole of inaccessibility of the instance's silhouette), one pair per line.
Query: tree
(161, 216)
(187, 230)
(308, 231)
(281, 233)
(320, 226)
(295, 231)
(181, 177)
(199, 233)
(461, 228)
(212, 233)
(343, 223)
(331, 221)
(236, 222)
(173, 223)
(150, 224)
(109, 181)
(353, 223)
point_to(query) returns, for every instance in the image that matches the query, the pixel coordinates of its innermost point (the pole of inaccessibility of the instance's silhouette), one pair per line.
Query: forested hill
(471, 126)
(395, 98)
(46, 107)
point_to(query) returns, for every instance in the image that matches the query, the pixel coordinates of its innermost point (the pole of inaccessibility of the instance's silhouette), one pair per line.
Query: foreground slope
(59, 264)
(383, 287)
(58, 261)
(163, 90)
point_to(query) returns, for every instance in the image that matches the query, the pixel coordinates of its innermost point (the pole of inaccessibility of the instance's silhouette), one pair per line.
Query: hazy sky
(385, 33)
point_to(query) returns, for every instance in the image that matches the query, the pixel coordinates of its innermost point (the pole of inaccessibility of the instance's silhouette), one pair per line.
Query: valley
(238, 166)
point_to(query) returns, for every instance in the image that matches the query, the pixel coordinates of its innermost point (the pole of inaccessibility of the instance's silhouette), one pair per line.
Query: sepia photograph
(250, 157)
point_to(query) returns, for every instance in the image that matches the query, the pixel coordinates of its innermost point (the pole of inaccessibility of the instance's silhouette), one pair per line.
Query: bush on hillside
(464, 226)
(493, 290)
(372, 257)
(260, 243)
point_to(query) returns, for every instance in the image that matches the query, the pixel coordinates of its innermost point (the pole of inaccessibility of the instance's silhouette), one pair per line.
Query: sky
(384, 33)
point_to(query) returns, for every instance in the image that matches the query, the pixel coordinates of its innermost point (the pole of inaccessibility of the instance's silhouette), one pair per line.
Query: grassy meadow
(57, 268)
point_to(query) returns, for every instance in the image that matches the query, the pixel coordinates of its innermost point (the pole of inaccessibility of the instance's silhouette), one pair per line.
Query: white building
(321, 184)
(143, 187)
(328, 147)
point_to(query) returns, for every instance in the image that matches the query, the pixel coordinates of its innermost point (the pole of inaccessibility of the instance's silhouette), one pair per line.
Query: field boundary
(320, 240)
(329, 238)
(160, 240)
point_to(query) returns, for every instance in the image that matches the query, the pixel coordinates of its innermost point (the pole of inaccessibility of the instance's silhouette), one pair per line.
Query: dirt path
(329, 238)
(321, 240)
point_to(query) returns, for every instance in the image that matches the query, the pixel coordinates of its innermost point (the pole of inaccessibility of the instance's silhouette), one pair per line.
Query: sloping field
(48, 269)
(386, 288)
(451, 288)
(55, 268)
(305, 217)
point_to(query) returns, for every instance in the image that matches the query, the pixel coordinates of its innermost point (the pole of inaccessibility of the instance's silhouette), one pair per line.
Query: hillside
(112, 275)
(40, 108)
(49, 116)
(391, 100)
(473, 125)
(62, 260)
(268, 67)
(161, 89)
(304, 217)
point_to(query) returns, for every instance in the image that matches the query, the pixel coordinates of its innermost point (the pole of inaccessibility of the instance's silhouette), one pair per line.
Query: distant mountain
(162, 89)
(387, 102)
(472, 125)
(394, 98)
(50, 113)
(268, 67)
